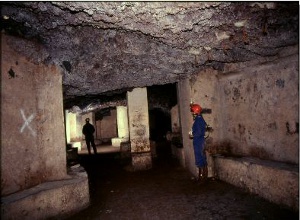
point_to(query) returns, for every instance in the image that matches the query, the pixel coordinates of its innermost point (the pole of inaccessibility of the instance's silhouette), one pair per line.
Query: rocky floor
(167, 191)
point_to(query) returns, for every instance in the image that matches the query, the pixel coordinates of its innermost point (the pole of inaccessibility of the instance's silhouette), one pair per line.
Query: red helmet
(196, 109)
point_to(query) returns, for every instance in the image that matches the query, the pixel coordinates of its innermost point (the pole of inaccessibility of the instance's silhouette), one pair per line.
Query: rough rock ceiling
(110, 47)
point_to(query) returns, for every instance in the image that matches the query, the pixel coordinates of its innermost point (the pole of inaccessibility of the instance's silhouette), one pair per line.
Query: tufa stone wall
(33, 147)
(260, 110)
(204, 91)
(254, 109)
(107, 126)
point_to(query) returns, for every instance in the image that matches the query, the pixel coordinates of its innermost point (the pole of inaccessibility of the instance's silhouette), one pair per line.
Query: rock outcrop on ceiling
(110, 47)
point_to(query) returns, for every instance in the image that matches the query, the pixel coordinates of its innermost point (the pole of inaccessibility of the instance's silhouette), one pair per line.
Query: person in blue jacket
(198, 135)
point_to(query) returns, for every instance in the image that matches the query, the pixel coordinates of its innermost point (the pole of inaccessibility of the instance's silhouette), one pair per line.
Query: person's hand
(191, 134)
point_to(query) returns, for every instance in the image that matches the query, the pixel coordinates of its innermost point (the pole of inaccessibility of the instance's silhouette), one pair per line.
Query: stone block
(77, 145)
(116, 142)
(141, 161)
(57, 199)
(274, 181)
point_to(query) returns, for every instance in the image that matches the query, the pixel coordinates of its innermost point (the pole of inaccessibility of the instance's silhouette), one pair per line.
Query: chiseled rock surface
(113, 46)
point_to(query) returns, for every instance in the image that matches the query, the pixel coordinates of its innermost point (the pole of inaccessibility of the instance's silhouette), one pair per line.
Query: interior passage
(167, 191)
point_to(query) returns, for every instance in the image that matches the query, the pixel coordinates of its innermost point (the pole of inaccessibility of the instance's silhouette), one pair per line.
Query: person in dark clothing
(88, 131)
(198, 135)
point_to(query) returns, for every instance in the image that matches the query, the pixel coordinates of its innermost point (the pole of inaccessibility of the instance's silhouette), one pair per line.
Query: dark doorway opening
(161, 99)
(160, 124)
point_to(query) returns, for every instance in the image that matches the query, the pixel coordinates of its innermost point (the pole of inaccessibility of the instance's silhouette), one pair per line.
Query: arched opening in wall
(160, 124)
(102, 111)
(161, 100)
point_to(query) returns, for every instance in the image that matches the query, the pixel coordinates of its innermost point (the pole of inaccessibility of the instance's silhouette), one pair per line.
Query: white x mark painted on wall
(27, 123)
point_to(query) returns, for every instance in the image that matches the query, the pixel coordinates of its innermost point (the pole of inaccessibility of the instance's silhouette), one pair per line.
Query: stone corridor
(167, 191)
(133, 69)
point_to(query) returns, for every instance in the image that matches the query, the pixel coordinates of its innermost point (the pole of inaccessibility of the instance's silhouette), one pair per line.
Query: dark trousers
(89, 141)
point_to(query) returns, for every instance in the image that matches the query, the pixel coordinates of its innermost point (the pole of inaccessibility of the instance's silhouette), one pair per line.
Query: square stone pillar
(139, 128)
(72, 121)
(122, 125)
(122, 122)
(67, 126)
(79, 125)
(73, 129)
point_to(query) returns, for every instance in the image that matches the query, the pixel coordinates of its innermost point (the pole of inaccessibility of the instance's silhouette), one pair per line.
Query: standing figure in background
(198, 135)
(88, 131)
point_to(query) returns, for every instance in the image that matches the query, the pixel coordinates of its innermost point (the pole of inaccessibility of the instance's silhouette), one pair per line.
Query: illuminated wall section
(73, 129)
(67, 126)
(122, 121)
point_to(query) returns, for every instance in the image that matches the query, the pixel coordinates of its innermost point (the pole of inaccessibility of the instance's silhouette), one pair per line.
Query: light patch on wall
(221, 36)
(207, 48)
(269, 5)
(240, 23)
(194, 51)
(27, 123)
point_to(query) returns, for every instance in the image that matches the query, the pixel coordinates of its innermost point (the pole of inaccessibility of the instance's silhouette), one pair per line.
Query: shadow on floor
(167, 191)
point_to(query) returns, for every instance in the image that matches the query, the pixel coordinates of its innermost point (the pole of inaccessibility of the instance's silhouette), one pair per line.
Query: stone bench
(274, 181)
(51, 199)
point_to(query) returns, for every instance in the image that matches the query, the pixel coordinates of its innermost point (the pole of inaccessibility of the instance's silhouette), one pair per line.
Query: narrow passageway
(167, 191)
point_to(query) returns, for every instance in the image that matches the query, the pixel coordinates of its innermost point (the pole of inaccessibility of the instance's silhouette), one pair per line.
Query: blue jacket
(199, 127)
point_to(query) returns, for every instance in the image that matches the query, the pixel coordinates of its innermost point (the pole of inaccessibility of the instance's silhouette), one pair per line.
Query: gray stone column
(139, 128)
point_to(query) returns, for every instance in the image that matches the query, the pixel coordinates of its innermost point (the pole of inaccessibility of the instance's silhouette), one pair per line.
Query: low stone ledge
(274, 181)
(49, 199)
